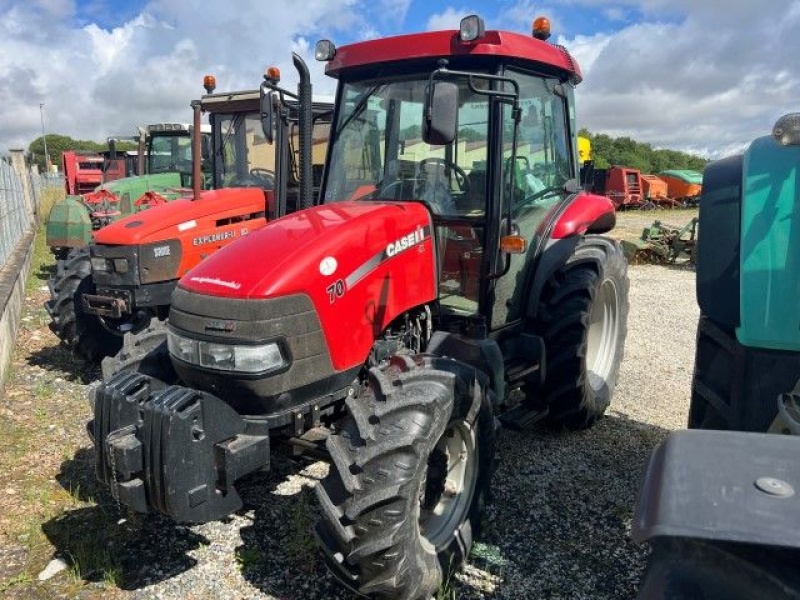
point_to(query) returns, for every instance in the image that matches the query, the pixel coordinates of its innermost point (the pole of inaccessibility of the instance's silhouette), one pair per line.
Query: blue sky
(586, 20)
(705, 76)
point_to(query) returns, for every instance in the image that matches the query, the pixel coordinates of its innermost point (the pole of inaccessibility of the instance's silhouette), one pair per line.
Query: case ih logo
(405, 242)
(220, 326)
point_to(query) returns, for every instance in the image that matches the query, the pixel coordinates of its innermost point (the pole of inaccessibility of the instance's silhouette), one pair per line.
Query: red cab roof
(443, 44)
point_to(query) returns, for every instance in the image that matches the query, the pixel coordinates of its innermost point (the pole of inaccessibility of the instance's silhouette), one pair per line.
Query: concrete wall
(12, 296)
(14, 273)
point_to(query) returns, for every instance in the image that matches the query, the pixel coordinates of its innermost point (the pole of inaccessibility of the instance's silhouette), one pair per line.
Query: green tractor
(164, 167)
(720, 508)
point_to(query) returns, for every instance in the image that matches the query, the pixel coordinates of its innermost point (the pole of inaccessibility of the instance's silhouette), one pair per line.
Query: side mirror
(441, 113)
(267, 109)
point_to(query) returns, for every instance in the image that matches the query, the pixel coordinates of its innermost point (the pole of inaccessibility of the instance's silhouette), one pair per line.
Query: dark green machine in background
(165, 169)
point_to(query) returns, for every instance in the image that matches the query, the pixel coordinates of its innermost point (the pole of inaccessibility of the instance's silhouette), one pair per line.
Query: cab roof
(447, 44)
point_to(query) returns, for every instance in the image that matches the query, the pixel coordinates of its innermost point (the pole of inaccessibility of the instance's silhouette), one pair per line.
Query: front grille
(111, 278)
(291, 320)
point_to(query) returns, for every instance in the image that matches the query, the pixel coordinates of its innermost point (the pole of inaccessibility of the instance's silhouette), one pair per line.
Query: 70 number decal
(335, 290)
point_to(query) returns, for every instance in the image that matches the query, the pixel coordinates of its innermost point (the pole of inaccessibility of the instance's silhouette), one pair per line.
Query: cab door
(533, 176)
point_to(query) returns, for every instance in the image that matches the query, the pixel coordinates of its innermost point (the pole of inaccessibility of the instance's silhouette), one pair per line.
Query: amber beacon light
(541, 28)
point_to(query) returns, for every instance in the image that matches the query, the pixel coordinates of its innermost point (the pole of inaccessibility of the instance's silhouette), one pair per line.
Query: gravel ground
(558, 526)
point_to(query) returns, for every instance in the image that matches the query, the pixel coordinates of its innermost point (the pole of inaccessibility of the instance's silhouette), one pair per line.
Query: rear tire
(735, 387)
(81, 332)
(697, 569)
(583, 318)
(145, 352)
(398, 512)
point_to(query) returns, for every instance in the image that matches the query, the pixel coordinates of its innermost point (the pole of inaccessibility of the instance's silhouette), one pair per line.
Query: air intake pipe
(305, 125)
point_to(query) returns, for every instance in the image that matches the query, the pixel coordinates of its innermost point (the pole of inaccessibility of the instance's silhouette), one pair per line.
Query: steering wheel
(540, 194)
(460, 176)
(265, 175)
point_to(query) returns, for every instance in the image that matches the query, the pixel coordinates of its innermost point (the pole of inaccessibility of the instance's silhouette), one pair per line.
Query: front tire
(409, 468)
(583, 318)
(81, 332)
(145, 352)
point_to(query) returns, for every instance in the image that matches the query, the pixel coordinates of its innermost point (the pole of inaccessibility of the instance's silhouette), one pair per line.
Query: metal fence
(41, 181)
(14, 218)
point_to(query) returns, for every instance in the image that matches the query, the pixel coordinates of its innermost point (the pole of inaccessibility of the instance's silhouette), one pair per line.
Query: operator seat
(475, 198)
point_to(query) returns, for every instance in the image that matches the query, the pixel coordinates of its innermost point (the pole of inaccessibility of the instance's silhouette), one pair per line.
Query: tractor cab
(241, 154)
(168, 149)
(486, 142)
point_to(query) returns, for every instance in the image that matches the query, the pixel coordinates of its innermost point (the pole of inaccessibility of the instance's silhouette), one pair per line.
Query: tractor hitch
(172, 449)
(114, 306)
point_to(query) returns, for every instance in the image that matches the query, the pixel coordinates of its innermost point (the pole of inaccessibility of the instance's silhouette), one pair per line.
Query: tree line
(56, 144)
(625, 152)
(606, 151)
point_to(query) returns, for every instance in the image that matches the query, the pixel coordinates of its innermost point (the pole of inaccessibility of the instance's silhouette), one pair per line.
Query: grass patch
(21, 579)
(42, 262)
(50, 195)
(301, 546)
(89, 561)
(248, 558)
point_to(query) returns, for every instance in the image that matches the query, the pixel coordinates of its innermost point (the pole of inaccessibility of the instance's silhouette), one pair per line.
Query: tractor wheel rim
(437, 525)
(601, 342)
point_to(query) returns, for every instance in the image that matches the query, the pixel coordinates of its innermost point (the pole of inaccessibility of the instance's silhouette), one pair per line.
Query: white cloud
(709, 82)
(450, 18)
(95, 81)
(691, 74)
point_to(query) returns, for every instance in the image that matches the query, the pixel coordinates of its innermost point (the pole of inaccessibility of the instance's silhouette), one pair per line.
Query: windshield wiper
(361, 104)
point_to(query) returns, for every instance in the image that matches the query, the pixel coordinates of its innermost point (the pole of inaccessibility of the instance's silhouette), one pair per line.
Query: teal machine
(720, 509)
(748, 284)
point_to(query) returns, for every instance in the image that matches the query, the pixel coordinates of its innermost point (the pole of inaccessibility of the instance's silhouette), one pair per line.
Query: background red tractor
(394, 320)
(126, 277)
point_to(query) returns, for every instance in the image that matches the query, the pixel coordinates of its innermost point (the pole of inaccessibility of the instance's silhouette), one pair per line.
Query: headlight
(121, 265)
(226, 357)
(99, 264)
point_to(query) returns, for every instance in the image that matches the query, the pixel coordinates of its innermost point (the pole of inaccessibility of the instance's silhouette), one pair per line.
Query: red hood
(286, 256)
(170, 220)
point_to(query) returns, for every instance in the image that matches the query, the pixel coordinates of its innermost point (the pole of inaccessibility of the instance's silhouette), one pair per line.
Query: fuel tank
(361, 264)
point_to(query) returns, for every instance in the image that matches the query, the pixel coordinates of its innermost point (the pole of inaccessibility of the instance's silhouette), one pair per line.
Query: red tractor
(453, 261)
(126, 277)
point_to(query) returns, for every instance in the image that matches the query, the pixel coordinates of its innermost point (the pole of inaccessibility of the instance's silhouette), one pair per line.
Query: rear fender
(723, 486)
(586, 213)
(557, 253)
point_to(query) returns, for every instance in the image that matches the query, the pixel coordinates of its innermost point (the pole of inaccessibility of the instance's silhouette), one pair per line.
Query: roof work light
(471, 28)
(210, 83)
(324, 50)
(272, 74)
(541, 28)
(787, 130)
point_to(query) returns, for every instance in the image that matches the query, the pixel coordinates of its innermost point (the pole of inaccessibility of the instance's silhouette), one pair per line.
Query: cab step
(522, 417)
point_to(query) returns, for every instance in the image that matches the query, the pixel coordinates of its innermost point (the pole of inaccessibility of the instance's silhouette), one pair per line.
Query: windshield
(168, 153)
(379, 152)
(244, 157)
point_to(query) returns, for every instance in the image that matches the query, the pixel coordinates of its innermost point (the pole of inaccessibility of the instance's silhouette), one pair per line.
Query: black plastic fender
(718, 246)
(723, 486)
(554, 255)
